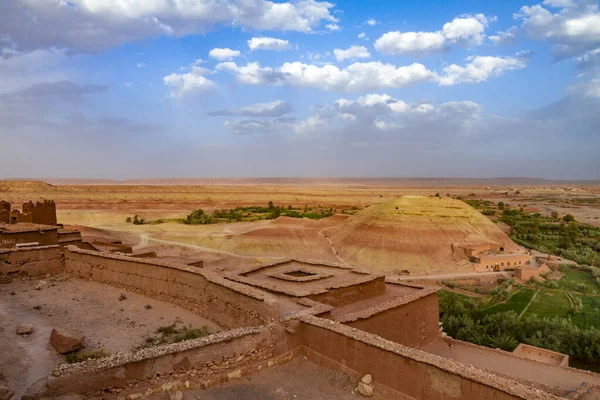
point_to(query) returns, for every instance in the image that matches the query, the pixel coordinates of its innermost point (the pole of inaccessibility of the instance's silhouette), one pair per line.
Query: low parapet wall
(205, 360)
(229, 304)
(402, 372)
(32, 261)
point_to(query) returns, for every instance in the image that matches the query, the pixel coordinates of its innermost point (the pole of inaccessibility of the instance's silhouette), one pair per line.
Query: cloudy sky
(216, 88)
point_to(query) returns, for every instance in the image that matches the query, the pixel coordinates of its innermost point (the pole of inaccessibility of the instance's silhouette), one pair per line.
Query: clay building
(525, 273)
(492, 257)
(339, 318)
(35, 213)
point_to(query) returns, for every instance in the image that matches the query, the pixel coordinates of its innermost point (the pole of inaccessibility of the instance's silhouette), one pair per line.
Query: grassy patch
(589, 316)
(574, 277)
(517, 302)
(174, 334)
(80, 356)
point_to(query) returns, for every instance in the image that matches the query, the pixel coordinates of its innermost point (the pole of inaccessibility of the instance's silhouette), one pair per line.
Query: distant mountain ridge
(384, 181)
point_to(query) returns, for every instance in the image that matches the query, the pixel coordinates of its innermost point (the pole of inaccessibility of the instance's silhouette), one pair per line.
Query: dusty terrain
(299, 379)
(81, 307)
(100, 207)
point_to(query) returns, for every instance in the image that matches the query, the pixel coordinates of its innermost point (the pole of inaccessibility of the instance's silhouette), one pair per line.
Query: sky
(256, 88)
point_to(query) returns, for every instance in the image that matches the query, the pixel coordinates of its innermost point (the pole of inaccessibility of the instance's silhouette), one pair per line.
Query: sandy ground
(88, 308)
(297, 380)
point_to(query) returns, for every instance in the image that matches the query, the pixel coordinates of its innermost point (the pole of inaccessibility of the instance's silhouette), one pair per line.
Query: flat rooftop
(301, 279)
(22, 227)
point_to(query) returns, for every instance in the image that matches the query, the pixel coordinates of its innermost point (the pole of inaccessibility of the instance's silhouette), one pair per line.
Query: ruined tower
(4, 212)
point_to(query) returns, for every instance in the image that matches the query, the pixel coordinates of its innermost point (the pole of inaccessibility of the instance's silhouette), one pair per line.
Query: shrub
(450, 284)
(87, 355)
(581, 287)
(122, 297)
(568, 218)
(148, 307)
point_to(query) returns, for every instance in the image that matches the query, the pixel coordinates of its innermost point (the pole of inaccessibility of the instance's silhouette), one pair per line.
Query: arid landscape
(164, 274)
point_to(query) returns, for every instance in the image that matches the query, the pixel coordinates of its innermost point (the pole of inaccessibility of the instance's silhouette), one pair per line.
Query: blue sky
(173, 88)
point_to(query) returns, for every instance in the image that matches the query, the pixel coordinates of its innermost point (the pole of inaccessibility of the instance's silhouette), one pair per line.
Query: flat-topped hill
(419, 234)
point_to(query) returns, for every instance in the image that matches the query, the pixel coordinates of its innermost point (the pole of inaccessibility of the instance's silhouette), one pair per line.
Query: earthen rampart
(203, 362)
(229, 304)
(4, 212)
(411, 321)
(403, 372)
(35, 261)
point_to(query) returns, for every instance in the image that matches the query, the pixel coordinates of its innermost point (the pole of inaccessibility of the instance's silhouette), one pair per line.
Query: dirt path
(335, 252)
(450, 276)
(530, 302)
(145, 238)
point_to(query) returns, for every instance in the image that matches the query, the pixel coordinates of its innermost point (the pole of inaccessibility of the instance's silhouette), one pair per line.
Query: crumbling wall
(202, 361)
(229, 304)
(35, 261)
(4, 212)
(414, 323)
(39, 213)
(401, 372)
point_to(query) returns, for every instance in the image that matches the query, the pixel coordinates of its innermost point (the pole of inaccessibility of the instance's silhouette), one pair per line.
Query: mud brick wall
(44, 238)
(36, 261)
(230, 304)
(39, 213)
(338, 297)
(401, 372)
(4, 212)
(199, 360)
(413, 324)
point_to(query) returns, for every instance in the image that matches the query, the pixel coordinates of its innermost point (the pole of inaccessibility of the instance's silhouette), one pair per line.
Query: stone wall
(229, 304)
(199, 362)
(401, 372)
(412, 323)
(35, 261)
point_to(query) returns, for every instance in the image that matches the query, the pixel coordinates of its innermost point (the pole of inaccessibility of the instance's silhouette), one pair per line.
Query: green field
(517, 302)
(574, 277)
(550, 304)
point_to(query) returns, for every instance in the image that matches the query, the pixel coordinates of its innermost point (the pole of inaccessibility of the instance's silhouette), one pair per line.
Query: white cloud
(367, 115)
(128, 84)
(355, 77)
(480, 69)
(94, 25)
(466, 30)
(268, 43)
(371, 22)
(374, 75)
(573, 30)
(223, 54)
(351, 53)
(413, 43)
(333, 27)
(188, 83)
(361, 35)
(505, 38)
(141, 65)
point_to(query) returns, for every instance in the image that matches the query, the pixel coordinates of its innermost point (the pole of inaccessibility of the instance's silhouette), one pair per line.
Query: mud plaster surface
(299, 379)
(79, 306)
